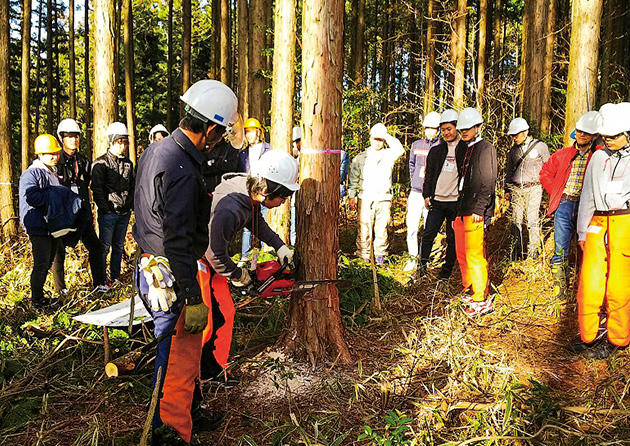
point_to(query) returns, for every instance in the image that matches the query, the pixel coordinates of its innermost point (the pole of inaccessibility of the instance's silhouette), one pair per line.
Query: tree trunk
(550, 41)
(586, 16)
(481, 54)
(7, 213)
(129, 79)
(186, 45)
(49, 67)
(314, 326)
(57, 67)
(86, 69)
(104, 79)
(117, 27)
(215, 55)
(282, 93)
(243, 49)
(225, 41)
(71, 62)
(458, 53)
(498, 38)
(38, 65)
(26, 87)
(428, 69)
(357, 69)
(256, 61)
(169, 70)
(533, 60)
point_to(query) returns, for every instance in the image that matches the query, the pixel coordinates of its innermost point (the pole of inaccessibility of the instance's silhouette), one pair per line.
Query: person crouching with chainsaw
(172, 209)
(236, 204)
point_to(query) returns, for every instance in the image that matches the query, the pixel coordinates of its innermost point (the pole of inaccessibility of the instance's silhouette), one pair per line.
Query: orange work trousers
(604, 279)
(470, 256)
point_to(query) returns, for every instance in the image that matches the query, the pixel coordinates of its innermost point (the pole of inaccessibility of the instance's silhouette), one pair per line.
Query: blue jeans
(564, 227)
(112, 229)
(247, 237)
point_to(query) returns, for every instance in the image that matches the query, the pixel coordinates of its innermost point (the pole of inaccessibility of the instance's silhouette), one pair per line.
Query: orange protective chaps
(470, 255)
(224, 304)
(605, 278)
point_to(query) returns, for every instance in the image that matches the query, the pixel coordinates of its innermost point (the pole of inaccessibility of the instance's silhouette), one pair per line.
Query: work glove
(196, 318)
(285, 255)
(244, 280)
(159, 278)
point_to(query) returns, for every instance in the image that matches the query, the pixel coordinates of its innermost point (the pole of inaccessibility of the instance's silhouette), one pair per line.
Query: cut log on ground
(125, 364)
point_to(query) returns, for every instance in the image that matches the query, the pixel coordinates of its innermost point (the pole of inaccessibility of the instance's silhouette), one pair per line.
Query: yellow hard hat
(46, 144)
(253, 123)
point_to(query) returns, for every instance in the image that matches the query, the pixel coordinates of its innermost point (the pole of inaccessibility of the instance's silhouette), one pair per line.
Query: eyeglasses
(611, 137)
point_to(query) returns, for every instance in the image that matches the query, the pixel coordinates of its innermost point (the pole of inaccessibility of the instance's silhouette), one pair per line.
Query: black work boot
(559, 281)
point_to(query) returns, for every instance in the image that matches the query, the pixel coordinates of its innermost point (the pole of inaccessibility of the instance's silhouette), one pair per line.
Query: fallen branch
(522, 437)
(151, 414)
(125, 364)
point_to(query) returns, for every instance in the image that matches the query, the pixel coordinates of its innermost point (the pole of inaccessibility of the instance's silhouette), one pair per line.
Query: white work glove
(242, 281)
(285, 254)
(157, 273)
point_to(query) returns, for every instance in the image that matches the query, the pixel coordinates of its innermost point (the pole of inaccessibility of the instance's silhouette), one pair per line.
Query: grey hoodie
(606, 186)
(232, 210)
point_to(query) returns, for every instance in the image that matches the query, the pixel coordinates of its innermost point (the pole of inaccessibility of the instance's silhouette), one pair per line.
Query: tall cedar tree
(26, 88)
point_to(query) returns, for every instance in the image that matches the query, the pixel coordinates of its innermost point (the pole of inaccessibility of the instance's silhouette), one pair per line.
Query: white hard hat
(589, 122)
(157, 129)
(616, 119)
(297, 133)
(517, 126)
(68, 125)
(378, 131)
(448, 116)
(115, 130)
(431, 120)
(469, 118)
(279, 167)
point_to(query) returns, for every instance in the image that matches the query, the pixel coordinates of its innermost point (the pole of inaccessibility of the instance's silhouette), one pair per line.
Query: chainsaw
(273, 279)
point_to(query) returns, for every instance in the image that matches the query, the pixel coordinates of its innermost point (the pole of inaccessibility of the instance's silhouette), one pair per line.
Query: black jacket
(113, 180)
(477, 168)
(222, 159)
(75, 170)
(434, 163)
(172, 208)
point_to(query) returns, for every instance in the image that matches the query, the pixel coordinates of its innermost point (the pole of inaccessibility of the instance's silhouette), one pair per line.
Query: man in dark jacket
(172, 209)
(113, 180)
(73, 170)
(222, 159)
(440, 192)
(477, 168)
(522, 186)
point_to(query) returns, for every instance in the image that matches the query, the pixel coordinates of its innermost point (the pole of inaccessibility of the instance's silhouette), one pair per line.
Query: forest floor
(423, 373)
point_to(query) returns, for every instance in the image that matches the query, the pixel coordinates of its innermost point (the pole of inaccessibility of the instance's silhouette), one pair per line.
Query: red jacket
(555, 173)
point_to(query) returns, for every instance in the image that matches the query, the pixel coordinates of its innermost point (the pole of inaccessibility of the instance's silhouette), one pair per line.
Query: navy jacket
(243, 157)
(172, 208)
(33, 198)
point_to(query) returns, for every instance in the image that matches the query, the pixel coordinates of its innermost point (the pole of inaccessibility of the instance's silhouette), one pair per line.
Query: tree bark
(586, 16)
(169, 70)
(282, 93)
(225, 41)
(428, 69)
(71, 61)
(130, 79)
(26, 87)
(57, 67)
(498, 38)
(104, 79)
(359, 46)
(481, 54)
(38, 64)
(117, 27)
(533, 60)
(7, 213)
(215, 55)
(314, 326)
(49, 67)
(186, 44)
(243, 49)
(458, 53)
(256, 60)
(86, 69)
(550, 41)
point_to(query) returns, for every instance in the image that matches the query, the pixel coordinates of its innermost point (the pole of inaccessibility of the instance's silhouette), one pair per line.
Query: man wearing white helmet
(236, 204)
(370, 182)
(562, 176)
(74, 171)
(477, 167)
(157, 133)
(440, 193)
(113, 180)
(604, 235)
(522, 186)
(172, 210)
(416, 211)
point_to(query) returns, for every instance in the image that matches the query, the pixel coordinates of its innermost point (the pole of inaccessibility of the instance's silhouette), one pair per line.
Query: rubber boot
(559, 281)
